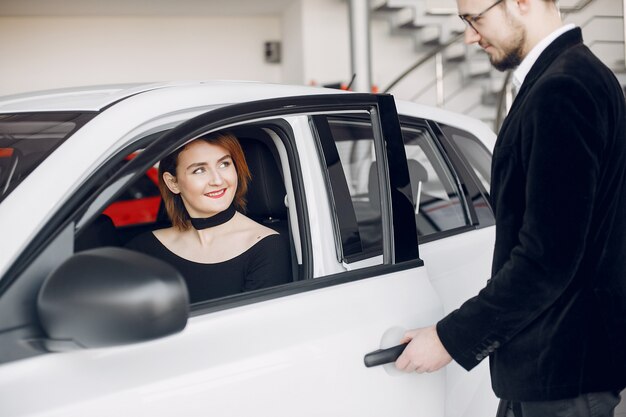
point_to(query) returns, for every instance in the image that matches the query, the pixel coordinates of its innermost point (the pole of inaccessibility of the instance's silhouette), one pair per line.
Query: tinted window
(350, 158)
(139, 203)
(437, 197)
(355, 144)
(474, 152)
(27, 139)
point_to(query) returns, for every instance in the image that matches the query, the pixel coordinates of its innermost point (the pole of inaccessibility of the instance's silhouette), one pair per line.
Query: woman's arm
(268, 264)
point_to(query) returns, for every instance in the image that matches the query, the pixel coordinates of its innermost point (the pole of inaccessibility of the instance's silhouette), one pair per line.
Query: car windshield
(26, 139)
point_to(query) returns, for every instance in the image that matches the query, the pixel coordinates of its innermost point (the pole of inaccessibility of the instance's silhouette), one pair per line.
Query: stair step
(442, 11)
(478, 68)
(383, 6)
(455, 58)
(619, 67)
(471, 84)
(455, 53)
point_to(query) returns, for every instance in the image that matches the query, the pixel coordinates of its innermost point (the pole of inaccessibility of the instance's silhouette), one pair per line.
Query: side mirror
(111, 296)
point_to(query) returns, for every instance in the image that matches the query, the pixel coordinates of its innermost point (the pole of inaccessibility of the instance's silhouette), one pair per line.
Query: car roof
(205, 93)
(97, 98)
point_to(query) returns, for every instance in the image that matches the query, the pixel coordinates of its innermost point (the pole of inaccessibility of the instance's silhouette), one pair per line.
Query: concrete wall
(316, 42)
(60, 51)
(52, 52)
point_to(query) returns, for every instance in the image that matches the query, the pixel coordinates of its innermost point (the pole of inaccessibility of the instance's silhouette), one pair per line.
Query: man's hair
(174, 203)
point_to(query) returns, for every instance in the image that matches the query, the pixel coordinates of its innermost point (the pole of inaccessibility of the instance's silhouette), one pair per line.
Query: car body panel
(247, 360)
(456, 278)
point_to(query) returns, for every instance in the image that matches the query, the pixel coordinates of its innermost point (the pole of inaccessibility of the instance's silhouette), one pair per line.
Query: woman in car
(218, 250)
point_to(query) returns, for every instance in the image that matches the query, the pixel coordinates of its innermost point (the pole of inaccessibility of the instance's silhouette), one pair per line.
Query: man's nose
(470, 36)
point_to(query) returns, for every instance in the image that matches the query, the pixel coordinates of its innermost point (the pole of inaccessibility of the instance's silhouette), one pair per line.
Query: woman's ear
(171, 183)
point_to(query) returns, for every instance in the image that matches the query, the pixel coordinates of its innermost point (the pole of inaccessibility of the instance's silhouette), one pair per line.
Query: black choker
(215, 220)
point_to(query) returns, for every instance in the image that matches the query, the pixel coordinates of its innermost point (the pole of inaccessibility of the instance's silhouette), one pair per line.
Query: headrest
(417, 174)
(266, 190)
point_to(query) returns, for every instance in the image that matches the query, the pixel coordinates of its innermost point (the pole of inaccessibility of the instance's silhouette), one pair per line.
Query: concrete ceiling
(142, 7)
(181, 7)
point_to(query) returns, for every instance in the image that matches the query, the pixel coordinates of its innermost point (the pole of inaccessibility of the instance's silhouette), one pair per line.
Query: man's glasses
(472, 19)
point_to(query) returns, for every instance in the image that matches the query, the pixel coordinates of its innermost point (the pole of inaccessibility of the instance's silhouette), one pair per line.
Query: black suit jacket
(552, 318)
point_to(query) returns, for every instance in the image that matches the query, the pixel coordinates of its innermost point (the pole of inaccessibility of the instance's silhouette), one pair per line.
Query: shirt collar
(524, 68)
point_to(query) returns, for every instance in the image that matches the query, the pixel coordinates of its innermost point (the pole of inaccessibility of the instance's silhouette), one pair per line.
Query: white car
(384, 205)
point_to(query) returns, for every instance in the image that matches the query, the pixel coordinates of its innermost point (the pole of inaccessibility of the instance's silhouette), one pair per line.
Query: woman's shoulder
(252, 230)
(272, 245)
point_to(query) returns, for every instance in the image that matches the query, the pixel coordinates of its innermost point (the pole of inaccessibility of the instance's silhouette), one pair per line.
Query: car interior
(266, 199)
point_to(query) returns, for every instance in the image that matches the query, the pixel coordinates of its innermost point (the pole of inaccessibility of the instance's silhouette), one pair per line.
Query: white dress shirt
(524, 68)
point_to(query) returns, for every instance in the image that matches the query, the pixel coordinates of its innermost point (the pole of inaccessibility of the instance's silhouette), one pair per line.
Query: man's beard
(511, 60)
(514, 55)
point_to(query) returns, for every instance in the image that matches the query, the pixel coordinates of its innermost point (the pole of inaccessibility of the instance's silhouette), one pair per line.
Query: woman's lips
(216, 194)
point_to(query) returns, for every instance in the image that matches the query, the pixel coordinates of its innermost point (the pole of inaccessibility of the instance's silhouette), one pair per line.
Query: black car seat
(266, 194)
(101, 232)
(417, 173)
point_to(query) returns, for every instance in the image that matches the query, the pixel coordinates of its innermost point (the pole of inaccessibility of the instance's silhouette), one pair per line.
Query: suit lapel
(562, 43)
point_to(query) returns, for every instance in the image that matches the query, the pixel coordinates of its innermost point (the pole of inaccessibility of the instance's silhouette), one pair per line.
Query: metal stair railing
(430, 55)
(576, 8)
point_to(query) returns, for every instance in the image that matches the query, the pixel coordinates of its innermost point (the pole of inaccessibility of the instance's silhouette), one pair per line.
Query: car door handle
(383, 356)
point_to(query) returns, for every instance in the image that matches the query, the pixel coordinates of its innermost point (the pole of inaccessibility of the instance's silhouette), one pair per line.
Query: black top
(263, 265)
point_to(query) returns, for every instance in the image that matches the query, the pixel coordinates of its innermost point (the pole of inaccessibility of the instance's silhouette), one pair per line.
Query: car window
(139, 202)
(474, 151)
(438, 204)
(27, 139)
(354, 184)
(137, 208)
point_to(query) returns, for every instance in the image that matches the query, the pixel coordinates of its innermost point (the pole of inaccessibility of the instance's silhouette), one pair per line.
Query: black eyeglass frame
(469, 18)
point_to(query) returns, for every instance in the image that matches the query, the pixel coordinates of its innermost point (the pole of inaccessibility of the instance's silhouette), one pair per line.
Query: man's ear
(171, 183)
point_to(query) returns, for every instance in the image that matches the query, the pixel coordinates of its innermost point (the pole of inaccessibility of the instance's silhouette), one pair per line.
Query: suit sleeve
(269, 264)
(560, 147)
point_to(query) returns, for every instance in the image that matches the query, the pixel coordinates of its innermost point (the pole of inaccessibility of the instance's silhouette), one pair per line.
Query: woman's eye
(225, 164)
(198, 171)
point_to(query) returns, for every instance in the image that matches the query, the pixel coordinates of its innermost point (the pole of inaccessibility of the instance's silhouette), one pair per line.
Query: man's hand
(424, 353)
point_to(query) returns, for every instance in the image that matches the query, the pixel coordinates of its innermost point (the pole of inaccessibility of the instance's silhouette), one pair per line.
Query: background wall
(47, 44)
(316, 42)
(84, 42)
(51, 52)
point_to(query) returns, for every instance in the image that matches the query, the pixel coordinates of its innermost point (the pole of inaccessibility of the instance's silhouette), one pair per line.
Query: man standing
(552, 318)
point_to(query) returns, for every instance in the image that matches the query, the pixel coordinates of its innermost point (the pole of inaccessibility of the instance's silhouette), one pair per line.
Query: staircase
(445, 72)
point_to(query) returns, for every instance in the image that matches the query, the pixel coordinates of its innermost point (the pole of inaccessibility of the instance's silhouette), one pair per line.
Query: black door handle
(383, 356)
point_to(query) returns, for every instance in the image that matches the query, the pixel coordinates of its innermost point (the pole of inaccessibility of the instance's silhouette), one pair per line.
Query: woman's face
(206, 179)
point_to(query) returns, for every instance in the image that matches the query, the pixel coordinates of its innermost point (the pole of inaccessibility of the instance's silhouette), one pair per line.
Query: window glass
(27, 139)
(137, 210)
(139, 203)
(354, 141)
(476, 154)
(436, 195)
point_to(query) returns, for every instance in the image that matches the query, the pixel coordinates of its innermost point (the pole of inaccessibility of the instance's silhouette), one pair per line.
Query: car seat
(417, 173)
(266, 196)
(101, 232)
(266, 190)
